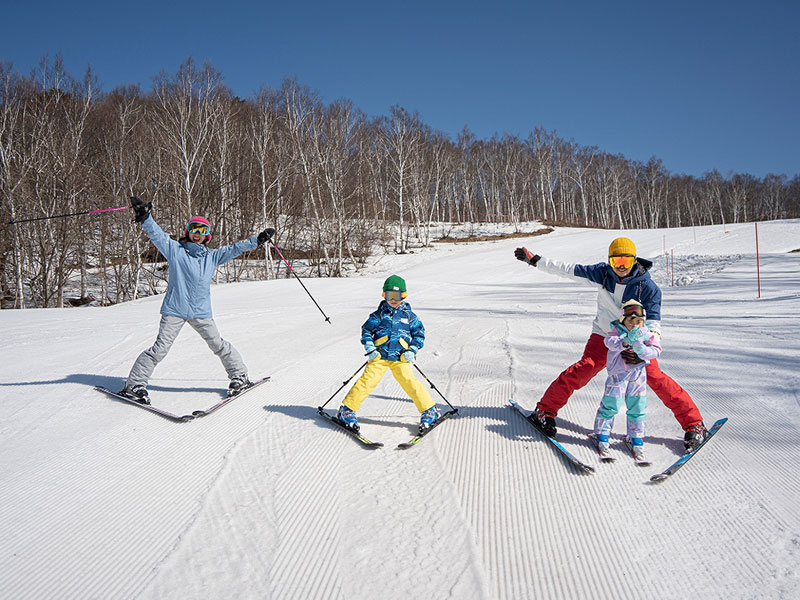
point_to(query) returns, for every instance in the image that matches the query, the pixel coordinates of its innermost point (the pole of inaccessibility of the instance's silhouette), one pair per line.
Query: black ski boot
(694, 436)
(137, 393)
(544, 421)
(238, 384)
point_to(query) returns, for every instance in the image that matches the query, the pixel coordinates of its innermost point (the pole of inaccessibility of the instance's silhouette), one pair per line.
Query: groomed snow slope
(264, 499)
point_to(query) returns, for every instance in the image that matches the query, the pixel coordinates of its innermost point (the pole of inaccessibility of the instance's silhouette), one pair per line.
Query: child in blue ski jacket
(188, 298)
(392, 336)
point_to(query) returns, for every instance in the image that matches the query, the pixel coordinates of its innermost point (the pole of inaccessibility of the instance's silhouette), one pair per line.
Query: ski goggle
(632, 311)
(626, 261)
(200, 228)
(394, 295)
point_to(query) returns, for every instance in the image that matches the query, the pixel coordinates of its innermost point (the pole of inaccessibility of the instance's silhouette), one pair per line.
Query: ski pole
(86, 212)
(327, 318)
(435, 388)
(319, 408)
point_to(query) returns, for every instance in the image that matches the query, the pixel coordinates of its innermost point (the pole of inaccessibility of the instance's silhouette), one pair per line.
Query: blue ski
(668, 472)
(564, 452)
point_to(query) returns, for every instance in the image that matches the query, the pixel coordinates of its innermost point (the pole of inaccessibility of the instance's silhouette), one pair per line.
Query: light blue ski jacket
(191, 267)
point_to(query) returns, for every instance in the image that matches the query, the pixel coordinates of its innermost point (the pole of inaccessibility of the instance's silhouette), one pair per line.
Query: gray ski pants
(167, 332)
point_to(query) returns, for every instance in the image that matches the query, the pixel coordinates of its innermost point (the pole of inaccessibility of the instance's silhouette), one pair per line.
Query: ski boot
(238, 385)
(427, 418)
(637, 449)
(543, 421)
(694, 436)
(348, 417)
(137, 393)
(603, 448)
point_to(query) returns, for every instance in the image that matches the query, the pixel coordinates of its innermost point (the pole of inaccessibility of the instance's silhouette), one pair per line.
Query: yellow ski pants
(372, 375)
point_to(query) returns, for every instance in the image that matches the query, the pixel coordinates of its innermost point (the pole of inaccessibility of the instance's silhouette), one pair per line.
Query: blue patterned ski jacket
(393, 330)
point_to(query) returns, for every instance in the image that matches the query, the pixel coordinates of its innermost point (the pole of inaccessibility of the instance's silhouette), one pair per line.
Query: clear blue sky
(701, 84)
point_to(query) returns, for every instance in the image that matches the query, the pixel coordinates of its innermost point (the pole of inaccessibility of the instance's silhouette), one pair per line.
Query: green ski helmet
(394, 283)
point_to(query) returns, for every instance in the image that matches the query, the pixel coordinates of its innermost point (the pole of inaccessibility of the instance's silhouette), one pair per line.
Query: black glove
(141, 209)
(630, 357)
(527, 256)
(265, 236)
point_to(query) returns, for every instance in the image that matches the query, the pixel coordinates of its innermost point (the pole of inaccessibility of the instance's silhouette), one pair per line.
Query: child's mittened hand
(410, 354)
(370, 352)
(637, 334)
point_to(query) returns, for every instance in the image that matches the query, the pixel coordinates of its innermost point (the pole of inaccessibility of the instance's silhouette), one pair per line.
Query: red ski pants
(593, 361)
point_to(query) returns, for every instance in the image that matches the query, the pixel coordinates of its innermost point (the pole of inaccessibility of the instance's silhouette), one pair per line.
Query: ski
(604, 456)
(642, 462)
(417, 438)
(341, 425)
(153, 409)
(669, 471)
(564, 452)
(182, 418)
(202, 413)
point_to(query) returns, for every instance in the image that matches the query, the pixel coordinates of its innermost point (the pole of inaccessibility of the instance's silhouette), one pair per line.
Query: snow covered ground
(264, 499)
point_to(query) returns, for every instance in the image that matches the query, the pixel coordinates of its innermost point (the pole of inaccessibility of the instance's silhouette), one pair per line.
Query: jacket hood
(194, 250)
(640, 271)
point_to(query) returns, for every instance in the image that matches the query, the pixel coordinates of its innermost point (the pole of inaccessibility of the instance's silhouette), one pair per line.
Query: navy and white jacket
(613, 293)
(393, 330)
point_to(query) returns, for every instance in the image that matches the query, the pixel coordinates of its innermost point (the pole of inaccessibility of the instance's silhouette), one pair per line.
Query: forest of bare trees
(336, 184)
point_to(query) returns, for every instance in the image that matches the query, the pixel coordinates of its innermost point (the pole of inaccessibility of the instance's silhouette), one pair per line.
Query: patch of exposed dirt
(489, 238)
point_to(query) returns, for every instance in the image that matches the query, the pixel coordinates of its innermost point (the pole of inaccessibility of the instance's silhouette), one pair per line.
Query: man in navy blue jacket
(624, 277)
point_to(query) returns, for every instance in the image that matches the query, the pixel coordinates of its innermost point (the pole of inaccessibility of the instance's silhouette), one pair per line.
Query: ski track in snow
(266, 499)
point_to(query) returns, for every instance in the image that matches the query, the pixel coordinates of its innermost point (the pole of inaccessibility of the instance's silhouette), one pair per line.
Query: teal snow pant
(167, 332)
(628, 388)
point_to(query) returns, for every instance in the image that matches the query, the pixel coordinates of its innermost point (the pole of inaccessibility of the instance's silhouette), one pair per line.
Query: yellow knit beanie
(622, 246)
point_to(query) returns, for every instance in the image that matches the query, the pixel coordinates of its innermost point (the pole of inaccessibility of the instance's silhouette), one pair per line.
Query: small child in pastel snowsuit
(392, 336)
(626, 382)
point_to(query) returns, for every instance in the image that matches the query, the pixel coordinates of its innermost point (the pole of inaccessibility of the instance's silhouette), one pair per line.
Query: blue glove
(637, 337)
(410, 354)
(637, 334)
(370, 352)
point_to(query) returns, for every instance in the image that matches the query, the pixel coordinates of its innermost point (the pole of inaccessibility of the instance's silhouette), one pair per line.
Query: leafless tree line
(337, 185)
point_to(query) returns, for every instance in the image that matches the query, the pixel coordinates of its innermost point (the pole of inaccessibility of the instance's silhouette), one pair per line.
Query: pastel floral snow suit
(626, 383)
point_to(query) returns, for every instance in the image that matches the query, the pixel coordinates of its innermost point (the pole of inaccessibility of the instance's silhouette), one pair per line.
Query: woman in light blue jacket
(188, 298)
